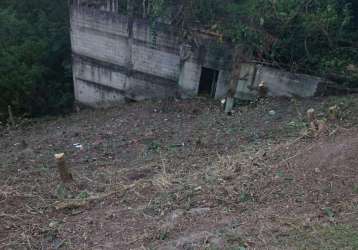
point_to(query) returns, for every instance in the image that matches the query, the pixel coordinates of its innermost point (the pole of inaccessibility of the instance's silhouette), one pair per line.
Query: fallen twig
(14, 217)
(298, 154)
(77, 203)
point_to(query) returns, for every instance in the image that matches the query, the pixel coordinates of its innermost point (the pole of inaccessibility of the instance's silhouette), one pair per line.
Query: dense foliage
(35, 68)
(311, 36)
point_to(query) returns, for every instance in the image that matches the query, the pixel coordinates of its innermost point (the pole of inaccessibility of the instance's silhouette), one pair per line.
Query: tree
(309, 36)
(35, 71)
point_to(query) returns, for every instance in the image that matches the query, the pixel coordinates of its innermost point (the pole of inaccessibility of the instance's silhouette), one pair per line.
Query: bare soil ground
(183, 175)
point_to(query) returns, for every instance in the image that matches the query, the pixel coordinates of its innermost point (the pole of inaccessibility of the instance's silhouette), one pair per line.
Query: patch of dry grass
(163, 180)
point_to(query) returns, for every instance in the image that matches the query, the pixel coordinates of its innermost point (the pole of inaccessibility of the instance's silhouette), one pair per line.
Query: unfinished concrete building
(117, 58)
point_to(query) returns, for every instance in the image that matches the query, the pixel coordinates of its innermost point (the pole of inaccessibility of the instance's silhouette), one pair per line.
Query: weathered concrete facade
(111, 63)
(279, 83)
(116, 58)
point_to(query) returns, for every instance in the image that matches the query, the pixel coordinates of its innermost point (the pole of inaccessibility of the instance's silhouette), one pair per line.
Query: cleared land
(182, 175)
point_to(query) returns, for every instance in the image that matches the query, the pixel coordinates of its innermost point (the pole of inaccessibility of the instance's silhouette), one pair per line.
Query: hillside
(181, 174)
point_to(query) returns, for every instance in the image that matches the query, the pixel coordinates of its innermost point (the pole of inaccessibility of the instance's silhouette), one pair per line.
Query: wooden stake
(333, 113)
(11, 116)
(311, 116)
(65, 173)
(317, 127)
(262, 92)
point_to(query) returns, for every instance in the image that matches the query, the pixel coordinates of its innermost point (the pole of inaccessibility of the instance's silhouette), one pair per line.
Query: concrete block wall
(283, 83)
(104, 58)
(96, 95)
(112, 64)
(279, 83)
(189, 78)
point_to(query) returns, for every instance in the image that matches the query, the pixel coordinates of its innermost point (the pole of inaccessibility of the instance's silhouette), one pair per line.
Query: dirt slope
(182, 175)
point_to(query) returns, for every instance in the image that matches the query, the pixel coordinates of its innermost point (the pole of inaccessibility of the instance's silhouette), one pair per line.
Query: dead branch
(78, 203)
(10, 216)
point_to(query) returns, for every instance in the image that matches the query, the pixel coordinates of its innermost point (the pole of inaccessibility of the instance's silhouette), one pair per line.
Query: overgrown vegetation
(309, 36)
(35, 67)
(318, 237)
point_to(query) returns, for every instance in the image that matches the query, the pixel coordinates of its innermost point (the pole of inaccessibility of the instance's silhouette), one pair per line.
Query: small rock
(78, 146)
(272, 112)
(195, 240)
(175, 215)
(53, 224)
(199, 211)
(172, 220)
(198, 188)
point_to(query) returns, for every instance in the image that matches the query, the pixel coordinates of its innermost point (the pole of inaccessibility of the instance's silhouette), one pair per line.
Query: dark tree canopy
(35, 67)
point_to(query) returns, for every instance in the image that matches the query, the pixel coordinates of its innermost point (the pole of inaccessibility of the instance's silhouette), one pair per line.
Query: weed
(237, 248)
(329, 213)
(280, 174)
(233, 130)
(154, 146)
(61, 192)
(174, 148)
(163, 235)
(161, 203)
(319, 237)
(83, 195)
(44, 168)
(244, 197)
(212, 248)
(355, 189)
(233, 238)
(294, 127)
(163, 180)
(297, 124)
(210, 178)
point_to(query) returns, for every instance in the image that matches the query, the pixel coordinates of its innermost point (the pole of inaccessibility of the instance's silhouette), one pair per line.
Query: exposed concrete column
(114, 6)
(117, 6)
(74, 3)
(130, 10)
(129, 44)
(111, 6)
(222, 84)
(190, 72)
(238, 59)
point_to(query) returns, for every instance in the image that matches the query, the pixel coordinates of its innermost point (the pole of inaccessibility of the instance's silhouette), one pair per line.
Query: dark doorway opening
(208, 81)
